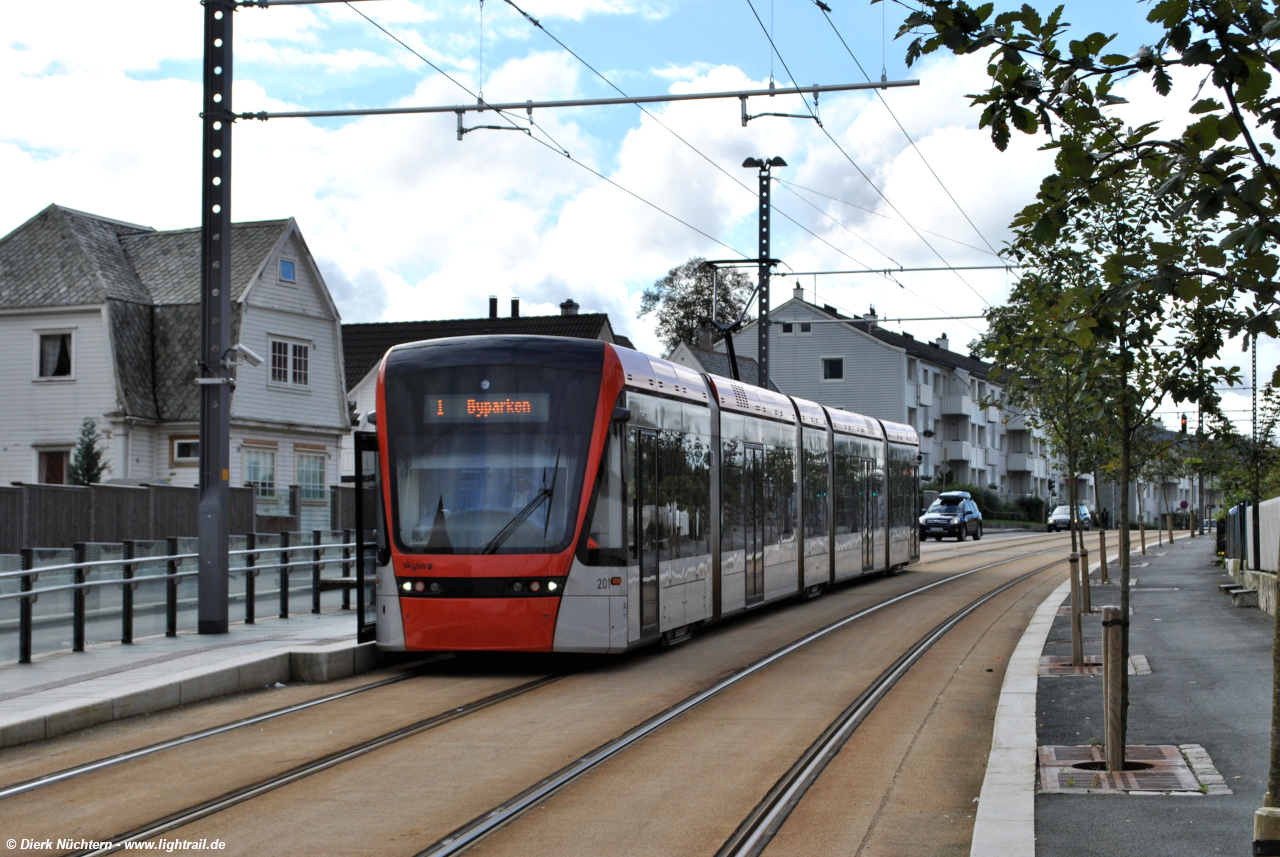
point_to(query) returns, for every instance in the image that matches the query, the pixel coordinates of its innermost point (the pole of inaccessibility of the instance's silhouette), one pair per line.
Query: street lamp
(762, 326)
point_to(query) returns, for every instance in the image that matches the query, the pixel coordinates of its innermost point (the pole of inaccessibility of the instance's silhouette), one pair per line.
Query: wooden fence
(57, 516)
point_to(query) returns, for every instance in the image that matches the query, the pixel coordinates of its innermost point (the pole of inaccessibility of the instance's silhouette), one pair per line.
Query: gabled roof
(717, 363)
(364, 344)
(64, 257)
(168, 263)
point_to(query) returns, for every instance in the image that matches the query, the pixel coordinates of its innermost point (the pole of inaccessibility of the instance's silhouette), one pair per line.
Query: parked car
(953, 514)
(1060, 519)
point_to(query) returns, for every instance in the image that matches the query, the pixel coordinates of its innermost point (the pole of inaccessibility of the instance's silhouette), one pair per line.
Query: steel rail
(238, 796)
(757, 830)
(120, 758)
(478, 828)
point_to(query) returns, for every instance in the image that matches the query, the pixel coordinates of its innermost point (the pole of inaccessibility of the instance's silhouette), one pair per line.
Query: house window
(54, 359)
(301, 358)
(787, 327)
(184, 451)
(911, 369)
(287, 271)
(833, 368)
(311, 475)
(806, 327)
(290, 363)
(260, 472)
(924, 377)
(982, 436)
(53, 466)
(911, 417)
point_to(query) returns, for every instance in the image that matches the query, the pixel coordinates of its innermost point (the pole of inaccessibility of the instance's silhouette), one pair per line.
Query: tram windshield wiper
(546, 493)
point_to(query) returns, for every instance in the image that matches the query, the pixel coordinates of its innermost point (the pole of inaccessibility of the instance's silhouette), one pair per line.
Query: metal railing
(291, 551)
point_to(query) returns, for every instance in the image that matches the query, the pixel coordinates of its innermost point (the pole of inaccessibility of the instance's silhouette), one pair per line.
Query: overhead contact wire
(553, 144)
(854, 163)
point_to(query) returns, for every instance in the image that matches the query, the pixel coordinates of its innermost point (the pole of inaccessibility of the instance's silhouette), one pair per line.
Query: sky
(407, 222)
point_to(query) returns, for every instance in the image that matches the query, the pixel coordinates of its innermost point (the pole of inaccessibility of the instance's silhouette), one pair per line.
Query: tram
(553, 494)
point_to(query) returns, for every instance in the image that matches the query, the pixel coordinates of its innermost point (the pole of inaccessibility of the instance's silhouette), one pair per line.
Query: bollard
(24, 606)
(1266, 830)
(1159, 533)
(77, 598)
(1142, 533)
(316, 551)
(1102, 554)
(171, 591)
(284, 576)
(1085, 597)
(250, 577)
(1112, 675)
(126, 594)
(1077, 643)
(1170, 529)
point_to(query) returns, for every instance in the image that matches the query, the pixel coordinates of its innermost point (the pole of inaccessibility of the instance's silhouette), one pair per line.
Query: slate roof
(64, 257)
(168, 263)
(717, 363)
(149, 282)
(363, 345)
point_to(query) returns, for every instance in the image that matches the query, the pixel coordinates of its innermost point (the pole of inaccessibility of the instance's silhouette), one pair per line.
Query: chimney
(943, 343)
(569, 307)
(798, 291)
(515, 307)
(493, 306)
(704, 337)
(871, 317)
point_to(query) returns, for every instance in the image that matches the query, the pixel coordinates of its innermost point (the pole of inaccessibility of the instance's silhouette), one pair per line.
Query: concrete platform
(66, 691)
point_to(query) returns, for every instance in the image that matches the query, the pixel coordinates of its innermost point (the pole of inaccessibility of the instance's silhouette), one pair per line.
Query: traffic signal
(1184, 424)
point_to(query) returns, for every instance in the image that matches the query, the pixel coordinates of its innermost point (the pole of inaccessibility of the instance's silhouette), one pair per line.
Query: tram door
(649, 526)
(753, 522)
(869, 516)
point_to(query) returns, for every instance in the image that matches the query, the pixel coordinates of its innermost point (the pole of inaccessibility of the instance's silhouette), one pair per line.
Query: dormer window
(287, 271)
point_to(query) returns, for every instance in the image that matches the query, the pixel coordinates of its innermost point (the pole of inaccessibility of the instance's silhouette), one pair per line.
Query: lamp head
(777, 162)
(753, 162)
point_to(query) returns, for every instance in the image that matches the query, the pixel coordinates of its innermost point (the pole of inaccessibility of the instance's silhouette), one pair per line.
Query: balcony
(979, 460)
(1021, 462)
(957, 450)
(957, 405)
(1017, 422)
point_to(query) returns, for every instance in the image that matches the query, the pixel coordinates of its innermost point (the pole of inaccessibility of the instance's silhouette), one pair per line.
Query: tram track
(482, 825)
(769, 815)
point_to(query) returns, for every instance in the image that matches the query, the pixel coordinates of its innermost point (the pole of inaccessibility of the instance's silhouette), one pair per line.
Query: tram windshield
(488, 459)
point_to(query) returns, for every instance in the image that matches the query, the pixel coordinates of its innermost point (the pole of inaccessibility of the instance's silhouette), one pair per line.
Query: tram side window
(848, 486)
(815, 483)
(606, 532)
(779, 482)
(732, 525)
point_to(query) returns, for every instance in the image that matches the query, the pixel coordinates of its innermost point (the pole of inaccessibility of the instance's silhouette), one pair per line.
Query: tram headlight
(406, 586)
(551, 586)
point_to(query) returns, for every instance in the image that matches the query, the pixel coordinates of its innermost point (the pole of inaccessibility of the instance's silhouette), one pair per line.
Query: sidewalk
(62, 692)
(1209, 685)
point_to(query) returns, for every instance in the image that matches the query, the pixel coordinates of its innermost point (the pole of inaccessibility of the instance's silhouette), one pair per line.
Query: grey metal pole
(762, 326)
(215, 322)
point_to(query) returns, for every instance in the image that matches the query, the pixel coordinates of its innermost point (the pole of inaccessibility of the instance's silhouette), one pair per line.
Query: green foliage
(682, 300)
(1213, 168)
(88, 460)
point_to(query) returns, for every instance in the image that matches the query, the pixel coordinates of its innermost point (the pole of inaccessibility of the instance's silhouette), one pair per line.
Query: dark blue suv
(953, 514)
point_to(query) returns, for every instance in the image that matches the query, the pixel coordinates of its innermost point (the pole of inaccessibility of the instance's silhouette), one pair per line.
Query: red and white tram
(550, 494)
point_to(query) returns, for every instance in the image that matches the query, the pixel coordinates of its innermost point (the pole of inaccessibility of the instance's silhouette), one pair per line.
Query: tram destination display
(500, 408)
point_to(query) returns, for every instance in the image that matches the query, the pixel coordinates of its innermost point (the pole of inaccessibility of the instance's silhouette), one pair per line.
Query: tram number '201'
(602, 583)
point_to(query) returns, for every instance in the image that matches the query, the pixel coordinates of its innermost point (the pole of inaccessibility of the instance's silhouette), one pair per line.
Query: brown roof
(363, 345)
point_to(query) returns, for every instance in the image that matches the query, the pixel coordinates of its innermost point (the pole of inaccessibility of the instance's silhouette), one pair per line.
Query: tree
(88, 460)
(1095, 286)
(682, 300)
(1042, 81)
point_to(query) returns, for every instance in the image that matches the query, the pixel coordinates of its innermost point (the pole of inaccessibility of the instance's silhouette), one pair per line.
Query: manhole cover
(1072, 770)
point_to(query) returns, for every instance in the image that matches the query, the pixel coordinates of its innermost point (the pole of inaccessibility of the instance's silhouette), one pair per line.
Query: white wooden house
(100, 318)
